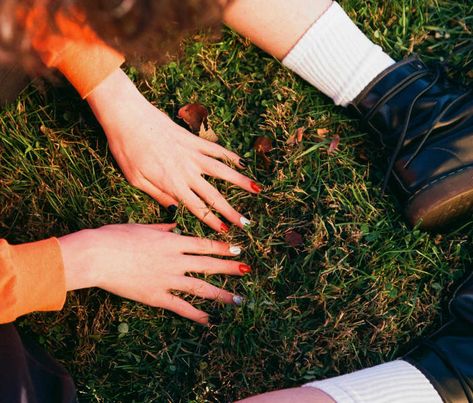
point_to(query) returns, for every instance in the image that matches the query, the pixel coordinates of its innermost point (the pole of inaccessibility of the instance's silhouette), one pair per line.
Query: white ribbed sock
(393, 382)
(336, 57)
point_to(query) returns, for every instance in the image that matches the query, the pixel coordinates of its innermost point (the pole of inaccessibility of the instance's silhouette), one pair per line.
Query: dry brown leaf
(293, 238)
(207, 134)
(334, 144)
(194, 115)
(263, 145)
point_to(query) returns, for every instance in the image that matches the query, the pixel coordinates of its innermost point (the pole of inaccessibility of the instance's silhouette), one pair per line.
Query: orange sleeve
(31, 278)
(72, 47)
(86, 65)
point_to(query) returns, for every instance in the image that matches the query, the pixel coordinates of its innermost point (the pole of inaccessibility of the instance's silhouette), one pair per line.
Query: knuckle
(198, 288)
(204, 245)
(204, 213)
(156, 301)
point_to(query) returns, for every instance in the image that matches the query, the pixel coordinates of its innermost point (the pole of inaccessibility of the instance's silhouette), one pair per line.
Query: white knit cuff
(336, 57)
(393, 382)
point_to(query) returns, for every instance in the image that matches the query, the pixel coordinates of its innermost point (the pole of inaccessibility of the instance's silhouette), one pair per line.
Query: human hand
(146, 262)
(163, 159)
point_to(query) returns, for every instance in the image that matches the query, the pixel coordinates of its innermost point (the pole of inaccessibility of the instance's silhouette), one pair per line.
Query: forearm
(274, 26)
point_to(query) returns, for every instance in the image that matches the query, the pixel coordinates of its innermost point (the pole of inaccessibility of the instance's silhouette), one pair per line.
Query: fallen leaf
(194, 115)
(263, 145)
(322, 132)
(296, 138)
(333, 144)
(293, 238)
(207, 134)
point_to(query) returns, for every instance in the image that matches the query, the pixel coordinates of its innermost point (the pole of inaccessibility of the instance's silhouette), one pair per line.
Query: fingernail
(224, 227)
(242, 162)
(244, 268)
(255, 187)
(244, 221)
(172, 209)
(238, 300)
(234, 250)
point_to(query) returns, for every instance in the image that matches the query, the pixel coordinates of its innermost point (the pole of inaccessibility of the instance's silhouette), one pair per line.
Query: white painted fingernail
(244, 221)
(234, 250)
(238, 300)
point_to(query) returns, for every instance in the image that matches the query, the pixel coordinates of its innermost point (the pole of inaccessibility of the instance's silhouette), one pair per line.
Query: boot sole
(443, 204)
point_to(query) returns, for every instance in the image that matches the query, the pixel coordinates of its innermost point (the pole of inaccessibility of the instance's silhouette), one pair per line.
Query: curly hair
(149, 30)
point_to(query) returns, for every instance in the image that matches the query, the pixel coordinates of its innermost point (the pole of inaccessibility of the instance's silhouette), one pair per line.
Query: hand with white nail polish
(163, 159)
(146, 262)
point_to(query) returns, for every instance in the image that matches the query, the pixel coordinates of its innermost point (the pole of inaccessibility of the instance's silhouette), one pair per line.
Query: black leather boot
(446, 358)
(425, 123)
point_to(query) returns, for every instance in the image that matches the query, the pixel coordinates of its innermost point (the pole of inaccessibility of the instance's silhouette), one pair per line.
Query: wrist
(77, 255)
(112, 94)
(118, 105)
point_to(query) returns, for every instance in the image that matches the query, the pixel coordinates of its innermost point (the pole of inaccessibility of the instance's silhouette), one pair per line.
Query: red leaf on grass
(293, 238)
(333, 144)
(194, 115)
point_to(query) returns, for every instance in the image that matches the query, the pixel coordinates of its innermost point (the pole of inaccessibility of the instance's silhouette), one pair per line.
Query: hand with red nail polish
(163, 159)
(146, 262)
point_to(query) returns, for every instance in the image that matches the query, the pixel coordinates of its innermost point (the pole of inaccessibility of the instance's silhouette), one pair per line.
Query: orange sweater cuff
(37, 278)
(87, 64)
(71, 46)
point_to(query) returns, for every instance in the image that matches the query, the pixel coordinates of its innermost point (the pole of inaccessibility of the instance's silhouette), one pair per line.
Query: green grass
(359, 291)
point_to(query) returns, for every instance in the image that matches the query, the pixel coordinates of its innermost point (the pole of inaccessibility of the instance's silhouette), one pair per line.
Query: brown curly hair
(141, 29)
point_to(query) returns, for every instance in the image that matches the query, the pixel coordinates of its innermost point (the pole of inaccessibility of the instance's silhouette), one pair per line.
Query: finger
(197, 207)
(184, 309)
(215, 200)
(217, 151)
(202, 246)
(210, 265)
(162, 198)
(219, 170)
(202, 289)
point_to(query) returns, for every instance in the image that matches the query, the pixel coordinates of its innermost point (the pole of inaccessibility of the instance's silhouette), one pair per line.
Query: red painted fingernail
(255, 187)
(224, 227)
(244, 268)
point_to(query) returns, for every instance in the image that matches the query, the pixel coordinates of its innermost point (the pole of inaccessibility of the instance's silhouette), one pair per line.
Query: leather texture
(423, 120)
(446, 358)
